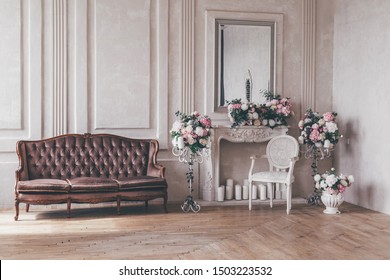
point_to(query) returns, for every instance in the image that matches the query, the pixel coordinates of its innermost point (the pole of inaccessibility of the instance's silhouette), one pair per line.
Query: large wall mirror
(245, 60)
(241, 47)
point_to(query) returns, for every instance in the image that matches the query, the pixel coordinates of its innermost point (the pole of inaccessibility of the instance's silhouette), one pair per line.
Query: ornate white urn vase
(332, 202)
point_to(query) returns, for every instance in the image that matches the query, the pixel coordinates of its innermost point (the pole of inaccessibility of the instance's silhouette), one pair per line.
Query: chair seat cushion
(43, 185)
(92, 184)
(141, 182)
(271, 176)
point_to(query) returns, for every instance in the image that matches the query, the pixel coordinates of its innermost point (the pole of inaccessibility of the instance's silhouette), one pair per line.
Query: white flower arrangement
(333, 183)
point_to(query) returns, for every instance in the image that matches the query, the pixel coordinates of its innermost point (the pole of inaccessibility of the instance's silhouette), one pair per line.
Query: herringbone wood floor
(216, 232)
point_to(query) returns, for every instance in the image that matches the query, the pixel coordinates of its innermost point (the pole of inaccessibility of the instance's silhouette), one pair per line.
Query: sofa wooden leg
(17, 210)
(68, 203)
(118, 205)
(27, 207)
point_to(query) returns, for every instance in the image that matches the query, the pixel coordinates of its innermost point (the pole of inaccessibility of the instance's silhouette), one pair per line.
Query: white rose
(323, 185)
(189, 128)
(351, 179)
(317, 185)
(264, 122)
(177, 125)
(272, 123)
(317, 177)
(268, 104)
(331, 126)
(199, 131)
(300, 140)
(255, 115)
(344, 183)
(300, 124)
(244, 106)
(321, 122)
(331, 180)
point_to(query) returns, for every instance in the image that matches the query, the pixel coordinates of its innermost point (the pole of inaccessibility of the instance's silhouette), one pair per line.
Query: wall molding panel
(60, 67)
(25, 68)
(308, 54)
(188, 54)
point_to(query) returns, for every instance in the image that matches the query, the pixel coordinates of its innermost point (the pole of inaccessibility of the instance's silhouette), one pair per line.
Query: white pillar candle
(263, 192)
(254, 192)
(238, 192)
(246, 182)
(229, 182)
(270, 192)
(245, 192)
(180, 142)
(221, 193)
(229, 192)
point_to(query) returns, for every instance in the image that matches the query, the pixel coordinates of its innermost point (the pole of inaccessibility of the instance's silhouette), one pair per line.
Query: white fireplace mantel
(243, 134)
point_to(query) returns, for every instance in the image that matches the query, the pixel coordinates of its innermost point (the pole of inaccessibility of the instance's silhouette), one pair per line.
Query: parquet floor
(216, 232)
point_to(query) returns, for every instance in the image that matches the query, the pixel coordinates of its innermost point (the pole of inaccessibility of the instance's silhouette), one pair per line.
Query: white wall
(361, 97)
(113, 55)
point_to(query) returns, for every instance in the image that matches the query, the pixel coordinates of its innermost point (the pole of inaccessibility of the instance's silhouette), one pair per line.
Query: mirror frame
(211, 95)
(218, 73)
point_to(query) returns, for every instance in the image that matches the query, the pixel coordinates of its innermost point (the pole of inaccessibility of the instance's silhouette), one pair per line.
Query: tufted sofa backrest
(77, 155)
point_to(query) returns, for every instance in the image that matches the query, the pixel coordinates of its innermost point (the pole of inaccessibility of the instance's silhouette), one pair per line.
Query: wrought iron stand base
(190, 204)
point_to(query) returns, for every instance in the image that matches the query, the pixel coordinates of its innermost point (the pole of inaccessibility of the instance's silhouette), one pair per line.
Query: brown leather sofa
(88, 168)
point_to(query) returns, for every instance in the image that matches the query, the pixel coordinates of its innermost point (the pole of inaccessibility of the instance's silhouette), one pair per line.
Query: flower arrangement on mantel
(192, 131)
(273, 113)
(332, 183)
(319, 130)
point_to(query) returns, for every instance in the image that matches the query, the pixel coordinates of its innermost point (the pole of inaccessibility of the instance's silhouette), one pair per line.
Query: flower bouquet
(276, 110)
(332, 183)
(273, 113)
(192, 131)
(319, 130)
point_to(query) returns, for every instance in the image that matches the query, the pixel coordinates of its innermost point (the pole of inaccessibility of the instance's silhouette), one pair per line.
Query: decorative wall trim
(188, 49)
(60, 67)
(308, 54)
(30, 78)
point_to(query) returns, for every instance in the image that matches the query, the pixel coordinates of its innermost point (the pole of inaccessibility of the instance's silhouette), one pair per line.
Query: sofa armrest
(154, 169)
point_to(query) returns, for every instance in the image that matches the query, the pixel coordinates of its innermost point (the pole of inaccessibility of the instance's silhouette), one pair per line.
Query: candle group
(241, 192)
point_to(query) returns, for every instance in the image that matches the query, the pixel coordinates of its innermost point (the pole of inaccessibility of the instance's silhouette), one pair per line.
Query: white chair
(282, 153)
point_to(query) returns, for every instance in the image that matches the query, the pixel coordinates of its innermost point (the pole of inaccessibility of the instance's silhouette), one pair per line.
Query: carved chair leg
(17, 210)
(118, 205)
(27, 207)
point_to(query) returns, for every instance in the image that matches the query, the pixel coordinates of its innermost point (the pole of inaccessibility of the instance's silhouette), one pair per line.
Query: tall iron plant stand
(316, 153)
(187, 156)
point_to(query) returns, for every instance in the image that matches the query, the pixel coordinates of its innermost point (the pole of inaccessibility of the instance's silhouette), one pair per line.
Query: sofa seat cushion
(43, 185)
(139, 182)
(93, 184)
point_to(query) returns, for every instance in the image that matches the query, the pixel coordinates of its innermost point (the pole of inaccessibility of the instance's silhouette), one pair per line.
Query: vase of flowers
(332, 187)
(273, 113)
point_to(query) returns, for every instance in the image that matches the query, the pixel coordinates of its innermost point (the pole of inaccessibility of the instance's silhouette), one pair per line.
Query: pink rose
(328, 116)
(314, 135)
